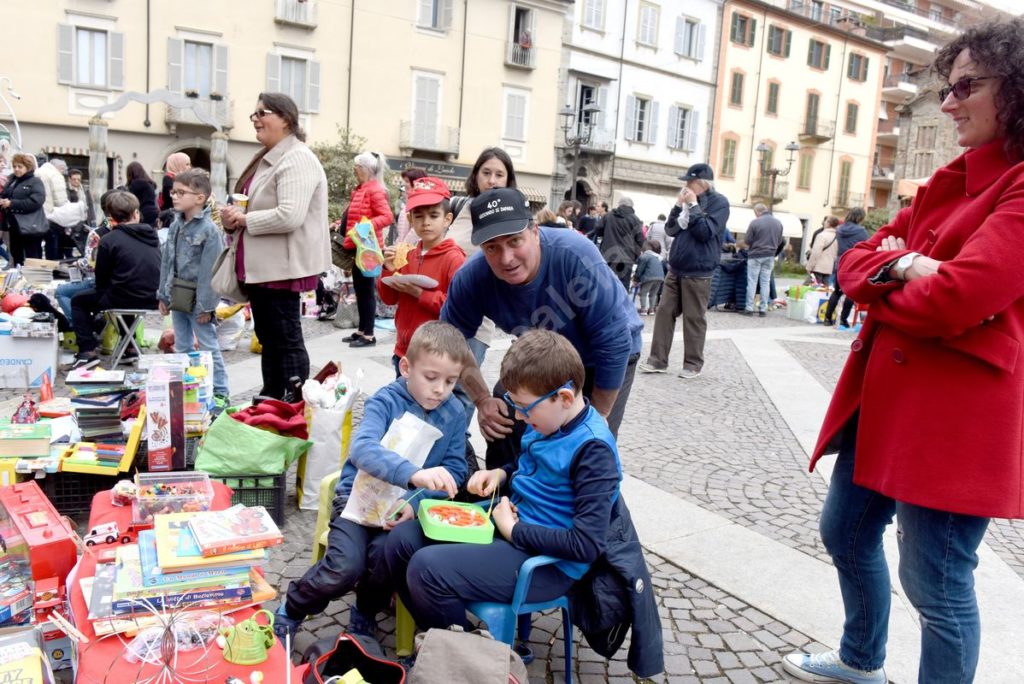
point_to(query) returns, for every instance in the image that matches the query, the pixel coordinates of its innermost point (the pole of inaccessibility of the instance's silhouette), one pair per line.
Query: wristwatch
(903, 263)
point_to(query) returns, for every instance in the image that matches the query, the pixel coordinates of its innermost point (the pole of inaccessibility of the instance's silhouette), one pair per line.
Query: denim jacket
(199, 242)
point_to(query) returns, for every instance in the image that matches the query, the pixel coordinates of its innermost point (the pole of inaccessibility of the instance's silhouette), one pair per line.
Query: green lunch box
(444, 531)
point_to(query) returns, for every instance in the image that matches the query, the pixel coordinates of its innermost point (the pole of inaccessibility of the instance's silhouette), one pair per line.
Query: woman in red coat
(928, 414)
(369, 200)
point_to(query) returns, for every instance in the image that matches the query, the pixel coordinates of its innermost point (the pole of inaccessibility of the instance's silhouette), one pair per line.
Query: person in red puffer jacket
(435, 256)
(369, 199)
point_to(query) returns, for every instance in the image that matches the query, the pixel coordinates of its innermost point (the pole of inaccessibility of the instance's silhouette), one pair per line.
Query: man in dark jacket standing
(127, 274)
(764, 241)
(697, 225)
(622, 240)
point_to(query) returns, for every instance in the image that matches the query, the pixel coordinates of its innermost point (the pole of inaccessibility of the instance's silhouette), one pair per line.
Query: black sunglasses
(961, 89)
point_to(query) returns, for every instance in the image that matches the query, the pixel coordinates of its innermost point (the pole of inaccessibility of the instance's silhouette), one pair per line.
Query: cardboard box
(25, 360)
(165, 410)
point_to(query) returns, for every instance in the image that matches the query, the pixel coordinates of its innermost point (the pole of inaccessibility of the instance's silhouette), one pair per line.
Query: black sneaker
(82, 361)
(361, 341)
(762, 314)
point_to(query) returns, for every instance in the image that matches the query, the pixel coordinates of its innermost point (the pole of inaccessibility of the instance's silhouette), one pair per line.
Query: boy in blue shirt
(562, 493)
(435, 358)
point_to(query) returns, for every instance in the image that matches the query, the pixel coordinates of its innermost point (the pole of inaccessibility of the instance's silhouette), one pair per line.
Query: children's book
(94, 376)
(154, 577)
(30, 440)
(239, 593)
(235, 529)
(176, 548)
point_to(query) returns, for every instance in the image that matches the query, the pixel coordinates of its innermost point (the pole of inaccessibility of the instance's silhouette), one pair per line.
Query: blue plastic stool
(501, 618)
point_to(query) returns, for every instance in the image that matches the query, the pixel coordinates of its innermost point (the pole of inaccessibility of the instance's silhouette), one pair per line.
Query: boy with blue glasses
(561, 496)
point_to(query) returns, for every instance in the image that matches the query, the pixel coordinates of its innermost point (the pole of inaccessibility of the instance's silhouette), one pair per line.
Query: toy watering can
(247, 642)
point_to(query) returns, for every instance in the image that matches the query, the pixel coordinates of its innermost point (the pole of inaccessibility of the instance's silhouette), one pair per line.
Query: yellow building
(784, 78)
(430, 81)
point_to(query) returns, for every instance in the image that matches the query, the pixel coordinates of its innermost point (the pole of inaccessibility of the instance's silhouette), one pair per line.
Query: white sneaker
(688, 373)
(828, 668)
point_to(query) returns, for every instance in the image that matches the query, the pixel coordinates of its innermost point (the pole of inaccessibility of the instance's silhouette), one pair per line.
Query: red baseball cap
(426, 192)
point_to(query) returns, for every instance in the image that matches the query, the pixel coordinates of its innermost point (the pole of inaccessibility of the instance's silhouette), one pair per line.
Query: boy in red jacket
(433, 261)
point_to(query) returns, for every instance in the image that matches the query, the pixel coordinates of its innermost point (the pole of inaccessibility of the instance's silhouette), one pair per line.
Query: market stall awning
(740, 218)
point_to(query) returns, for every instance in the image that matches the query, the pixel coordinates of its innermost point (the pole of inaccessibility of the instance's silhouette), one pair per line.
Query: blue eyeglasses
(525, 410)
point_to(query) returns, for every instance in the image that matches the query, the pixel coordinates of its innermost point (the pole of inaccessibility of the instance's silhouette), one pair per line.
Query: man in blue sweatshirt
(529, 277)
(697, 225)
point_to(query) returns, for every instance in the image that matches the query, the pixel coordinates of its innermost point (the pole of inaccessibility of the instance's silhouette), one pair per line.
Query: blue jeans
(759, 271)
(185, 327)
(65, 292)
(938, 555)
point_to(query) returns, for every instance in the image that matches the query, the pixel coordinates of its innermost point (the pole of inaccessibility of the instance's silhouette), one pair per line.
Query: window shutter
(65, 54)
(789, 43)
(828, 52)
(864, 70)
(753, 31)
(174, 61)
(602, 101)
(734, 28)
(630, 117)
(691, 130)
(673, 128)
(116, 64)
(313, 93)
(810, 52)
(701, 29)
(652, 128)
(680, 36)
(273, 73)
(426, 17)
(220, 69)
(445, 18)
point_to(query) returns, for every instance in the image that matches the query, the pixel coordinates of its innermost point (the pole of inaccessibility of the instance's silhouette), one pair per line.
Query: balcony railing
(817, 131)
(221, 111)
(823, 14)
(301, 13)
(602, 140)
(416, 136)
(901, 81)
(894, 33)
(848, 200)
(883, 172)
(521, 56)
(763, 189)
(907, 7)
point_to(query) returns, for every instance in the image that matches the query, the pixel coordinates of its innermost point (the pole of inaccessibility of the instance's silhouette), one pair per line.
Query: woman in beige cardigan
(284, 244)
(822, 258)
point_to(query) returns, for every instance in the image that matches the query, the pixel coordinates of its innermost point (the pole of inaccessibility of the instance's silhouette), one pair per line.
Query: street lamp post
(10, 110)
(577, 136)
(774, 173)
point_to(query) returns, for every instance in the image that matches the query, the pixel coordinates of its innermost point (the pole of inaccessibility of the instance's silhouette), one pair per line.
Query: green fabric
(234, 448)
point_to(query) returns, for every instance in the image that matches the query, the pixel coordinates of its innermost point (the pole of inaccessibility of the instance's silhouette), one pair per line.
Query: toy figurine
(26, 413)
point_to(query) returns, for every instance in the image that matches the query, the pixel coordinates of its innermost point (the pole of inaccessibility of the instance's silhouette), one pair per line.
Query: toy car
(107, 533)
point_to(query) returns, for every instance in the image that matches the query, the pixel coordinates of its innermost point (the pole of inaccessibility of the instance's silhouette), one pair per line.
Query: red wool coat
(369, 199)
(939, 386)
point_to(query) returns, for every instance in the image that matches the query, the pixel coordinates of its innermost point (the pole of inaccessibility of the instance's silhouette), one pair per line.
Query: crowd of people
(560, 281)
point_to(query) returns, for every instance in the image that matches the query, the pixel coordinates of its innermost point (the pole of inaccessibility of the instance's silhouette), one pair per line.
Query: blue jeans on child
(65, 292)
(938, 555)
(355, 556)
(436, 580)
(759, 271)
(185, 326)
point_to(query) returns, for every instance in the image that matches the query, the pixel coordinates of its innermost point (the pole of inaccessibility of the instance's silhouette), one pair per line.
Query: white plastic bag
(330, 426)
(230, 330)
(371, 499)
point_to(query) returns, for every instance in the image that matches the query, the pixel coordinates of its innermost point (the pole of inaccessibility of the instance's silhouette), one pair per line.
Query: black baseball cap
(497, 213)
(698, 172)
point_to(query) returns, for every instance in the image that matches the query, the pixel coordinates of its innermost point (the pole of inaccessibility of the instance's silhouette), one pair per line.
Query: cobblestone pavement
(718, 441)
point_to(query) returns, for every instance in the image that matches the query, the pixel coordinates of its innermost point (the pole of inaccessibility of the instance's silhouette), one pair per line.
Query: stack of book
(98, 423)
(39, 272)
(197, 418)
(170, 569)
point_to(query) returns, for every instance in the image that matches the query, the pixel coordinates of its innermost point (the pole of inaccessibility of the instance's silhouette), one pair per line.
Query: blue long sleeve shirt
(389, 404)
(574, 294)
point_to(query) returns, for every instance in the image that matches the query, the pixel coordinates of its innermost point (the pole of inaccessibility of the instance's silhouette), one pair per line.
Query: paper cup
(240, 200)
